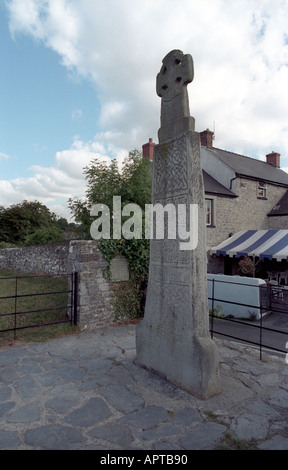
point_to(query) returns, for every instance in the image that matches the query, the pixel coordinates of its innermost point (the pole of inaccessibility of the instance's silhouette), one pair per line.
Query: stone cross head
(176, 72)
(171, 85)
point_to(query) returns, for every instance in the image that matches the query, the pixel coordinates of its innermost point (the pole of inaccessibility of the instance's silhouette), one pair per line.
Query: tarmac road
(273, 333)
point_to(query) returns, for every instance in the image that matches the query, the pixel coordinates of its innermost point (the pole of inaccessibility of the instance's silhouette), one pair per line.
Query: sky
(78, 81)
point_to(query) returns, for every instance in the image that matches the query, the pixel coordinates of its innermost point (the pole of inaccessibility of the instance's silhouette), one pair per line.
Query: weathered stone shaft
(173, 340)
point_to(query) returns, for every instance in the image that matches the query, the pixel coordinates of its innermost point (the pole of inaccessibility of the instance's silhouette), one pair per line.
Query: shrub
(130, 296)
(127, 300)
(44, 236)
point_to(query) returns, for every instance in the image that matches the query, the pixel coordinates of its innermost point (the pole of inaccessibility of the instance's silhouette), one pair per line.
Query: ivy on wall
(129, 296)
(132, 182)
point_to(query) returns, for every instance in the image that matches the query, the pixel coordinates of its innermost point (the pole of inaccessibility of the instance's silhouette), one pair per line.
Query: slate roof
(281, 208)
(250, 167)
(212, 186)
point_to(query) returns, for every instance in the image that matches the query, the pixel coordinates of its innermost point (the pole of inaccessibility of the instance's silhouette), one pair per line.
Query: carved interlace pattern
(171, 168)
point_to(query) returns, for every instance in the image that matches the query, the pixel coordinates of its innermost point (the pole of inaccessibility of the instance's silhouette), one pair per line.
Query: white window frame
(261, 190)
(209, 206)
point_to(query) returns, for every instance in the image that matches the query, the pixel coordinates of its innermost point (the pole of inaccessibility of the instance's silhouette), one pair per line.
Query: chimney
(207, 138)
(274, 159)
(148, 149)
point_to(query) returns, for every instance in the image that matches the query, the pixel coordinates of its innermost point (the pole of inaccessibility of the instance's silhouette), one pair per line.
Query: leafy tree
(45, 235)
(20, 220)
(137, 182)
(133, 184)
(62, 223)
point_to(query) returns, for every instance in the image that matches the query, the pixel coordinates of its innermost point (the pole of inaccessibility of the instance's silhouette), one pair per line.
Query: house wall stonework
(246, 212)
(223, 209)
(278, 222)
(251, 211)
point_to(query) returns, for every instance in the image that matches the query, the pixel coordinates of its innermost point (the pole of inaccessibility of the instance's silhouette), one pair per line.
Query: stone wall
(94, 300)
(223, 209)
(245, 212)
(251, 211)
(94, 291)
(278, 222)
(49, 259)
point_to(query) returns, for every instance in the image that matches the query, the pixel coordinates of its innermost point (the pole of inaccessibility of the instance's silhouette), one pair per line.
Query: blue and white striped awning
(270, 244)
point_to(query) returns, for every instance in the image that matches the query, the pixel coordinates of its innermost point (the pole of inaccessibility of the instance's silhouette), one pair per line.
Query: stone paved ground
(85, 392)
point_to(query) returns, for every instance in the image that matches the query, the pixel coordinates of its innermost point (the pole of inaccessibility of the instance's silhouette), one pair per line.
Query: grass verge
(30, 308)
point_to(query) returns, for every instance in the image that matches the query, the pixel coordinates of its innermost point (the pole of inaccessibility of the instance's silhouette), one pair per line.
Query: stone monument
(173, 339)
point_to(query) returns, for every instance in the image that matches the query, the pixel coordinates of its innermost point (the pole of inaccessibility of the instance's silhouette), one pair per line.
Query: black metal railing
(15, 311)
(260, 331)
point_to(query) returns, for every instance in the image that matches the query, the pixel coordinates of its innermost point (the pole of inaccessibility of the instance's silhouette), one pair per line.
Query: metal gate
(270, 332)
(37, 301)
(278, 298)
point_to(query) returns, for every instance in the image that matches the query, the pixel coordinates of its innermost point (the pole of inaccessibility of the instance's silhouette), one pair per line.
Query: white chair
(283, 277)
(272, 276)
(276, 291)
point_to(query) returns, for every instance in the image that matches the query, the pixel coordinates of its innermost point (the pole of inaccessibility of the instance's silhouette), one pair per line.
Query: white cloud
(238, 47)
(240, 53)
(4, 156)
(59, 182)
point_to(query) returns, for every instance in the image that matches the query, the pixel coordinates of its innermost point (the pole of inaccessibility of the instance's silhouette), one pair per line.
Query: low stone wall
(94, 300)
(94, 291)
(50, 259)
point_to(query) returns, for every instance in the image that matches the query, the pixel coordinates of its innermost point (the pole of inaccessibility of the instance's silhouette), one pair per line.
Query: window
(261, 190)
(209, 212)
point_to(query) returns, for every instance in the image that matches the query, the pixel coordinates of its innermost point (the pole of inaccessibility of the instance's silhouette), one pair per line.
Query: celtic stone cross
(173, 340)
(171, 85)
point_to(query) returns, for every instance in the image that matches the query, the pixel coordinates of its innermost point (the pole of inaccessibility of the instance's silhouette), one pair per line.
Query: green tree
(20, 220)
(133, 184)
(104, 181)
(62, 223)
(45, 235)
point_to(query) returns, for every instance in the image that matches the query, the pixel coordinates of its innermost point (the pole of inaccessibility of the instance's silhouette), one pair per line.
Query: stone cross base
(186, 361)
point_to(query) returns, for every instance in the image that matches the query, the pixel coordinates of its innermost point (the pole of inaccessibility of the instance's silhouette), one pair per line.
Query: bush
(20, 220)
(129, 296)
(127, 300)
(44, 236)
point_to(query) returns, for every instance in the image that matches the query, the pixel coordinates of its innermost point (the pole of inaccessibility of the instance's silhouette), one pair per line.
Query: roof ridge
(250, 158)
(239, 154)
(249, 166)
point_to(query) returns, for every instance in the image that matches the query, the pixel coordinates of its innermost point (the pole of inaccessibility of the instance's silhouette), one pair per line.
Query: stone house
(241, 193)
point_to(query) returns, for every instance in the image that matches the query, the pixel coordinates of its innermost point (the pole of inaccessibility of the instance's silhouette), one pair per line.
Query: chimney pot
(148, 149)
(207, 138)
(273, 158)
